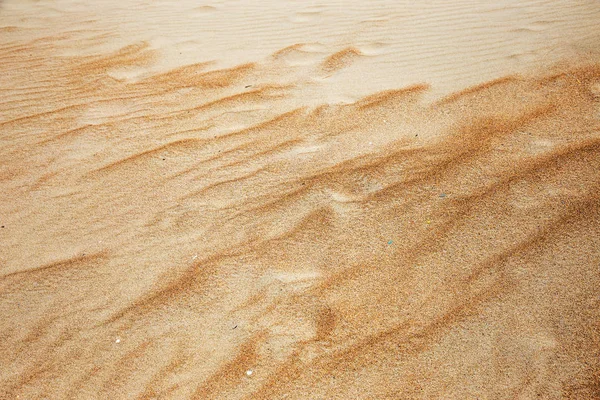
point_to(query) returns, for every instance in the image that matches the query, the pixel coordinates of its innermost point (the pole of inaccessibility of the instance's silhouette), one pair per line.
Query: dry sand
(334, 200)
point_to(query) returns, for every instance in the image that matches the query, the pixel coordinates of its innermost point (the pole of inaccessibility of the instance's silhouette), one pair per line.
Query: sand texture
(299, 200)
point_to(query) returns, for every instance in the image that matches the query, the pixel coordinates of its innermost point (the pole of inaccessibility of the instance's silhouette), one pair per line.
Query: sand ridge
(216, 232)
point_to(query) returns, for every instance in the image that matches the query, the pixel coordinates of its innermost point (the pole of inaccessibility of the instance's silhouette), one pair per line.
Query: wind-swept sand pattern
(275, 227)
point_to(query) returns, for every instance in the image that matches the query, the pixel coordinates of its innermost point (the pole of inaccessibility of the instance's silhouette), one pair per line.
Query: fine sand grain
(268, 200)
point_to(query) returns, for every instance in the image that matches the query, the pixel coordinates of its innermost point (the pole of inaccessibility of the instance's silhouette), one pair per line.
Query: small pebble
(390, 241)
(118, 340)
(249, 372)
(442, 195)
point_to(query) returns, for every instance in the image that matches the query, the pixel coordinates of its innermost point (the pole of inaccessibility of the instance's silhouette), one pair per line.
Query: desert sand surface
(299, 200)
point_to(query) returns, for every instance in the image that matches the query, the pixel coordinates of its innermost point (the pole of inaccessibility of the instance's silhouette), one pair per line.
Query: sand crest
(325, 201)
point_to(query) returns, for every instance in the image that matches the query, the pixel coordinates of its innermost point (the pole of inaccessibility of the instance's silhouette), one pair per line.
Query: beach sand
(268, 200)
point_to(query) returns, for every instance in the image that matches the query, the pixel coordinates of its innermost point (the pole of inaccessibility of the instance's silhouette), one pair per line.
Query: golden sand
(331, 214)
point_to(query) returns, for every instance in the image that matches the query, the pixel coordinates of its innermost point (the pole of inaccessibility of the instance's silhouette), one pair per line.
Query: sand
(268, 200)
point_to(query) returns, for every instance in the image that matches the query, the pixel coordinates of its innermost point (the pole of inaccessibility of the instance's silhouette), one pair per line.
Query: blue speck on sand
(390, 241)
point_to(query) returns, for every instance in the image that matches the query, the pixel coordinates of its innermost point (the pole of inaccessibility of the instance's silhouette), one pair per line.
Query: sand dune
(334, 201)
